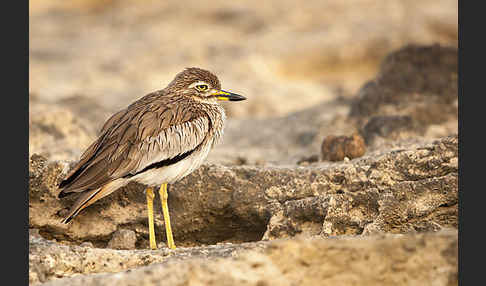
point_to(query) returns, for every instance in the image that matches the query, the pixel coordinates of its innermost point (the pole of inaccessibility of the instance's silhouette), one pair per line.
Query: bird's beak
(224, 95)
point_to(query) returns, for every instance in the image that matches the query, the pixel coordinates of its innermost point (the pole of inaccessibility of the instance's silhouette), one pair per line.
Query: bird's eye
(202, 87)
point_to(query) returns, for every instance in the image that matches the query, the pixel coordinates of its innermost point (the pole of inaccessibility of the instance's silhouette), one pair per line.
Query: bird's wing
(139, 137)
(113, 120)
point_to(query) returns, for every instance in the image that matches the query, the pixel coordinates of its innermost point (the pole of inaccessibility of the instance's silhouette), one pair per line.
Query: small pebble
(337, 148)
(86, 244)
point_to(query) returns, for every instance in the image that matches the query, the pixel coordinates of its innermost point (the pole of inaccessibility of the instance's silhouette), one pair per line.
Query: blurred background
(284, 55)
(317, 133)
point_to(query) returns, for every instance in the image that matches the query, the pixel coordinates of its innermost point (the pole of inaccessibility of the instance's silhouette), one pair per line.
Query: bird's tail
(88, 198)
(81, 203)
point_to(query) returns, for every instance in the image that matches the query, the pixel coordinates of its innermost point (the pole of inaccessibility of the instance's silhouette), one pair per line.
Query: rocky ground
(414, 259)
(319, 180)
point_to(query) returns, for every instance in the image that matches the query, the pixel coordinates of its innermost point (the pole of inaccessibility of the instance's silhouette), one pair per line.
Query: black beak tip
(236, 97)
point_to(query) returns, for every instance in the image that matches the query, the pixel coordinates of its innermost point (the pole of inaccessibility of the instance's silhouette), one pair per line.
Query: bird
(155, 141)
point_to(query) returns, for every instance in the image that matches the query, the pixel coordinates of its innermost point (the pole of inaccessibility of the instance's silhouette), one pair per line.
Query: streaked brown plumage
(158, 139)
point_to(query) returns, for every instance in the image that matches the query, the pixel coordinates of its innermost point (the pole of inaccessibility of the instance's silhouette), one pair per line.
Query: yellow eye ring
(202, 87)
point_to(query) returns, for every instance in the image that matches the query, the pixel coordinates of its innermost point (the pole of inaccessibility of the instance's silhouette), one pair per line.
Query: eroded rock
(49, 260)
(415, 90)
(411, 188)
(418, 259)
(56, 132)
(413, 80)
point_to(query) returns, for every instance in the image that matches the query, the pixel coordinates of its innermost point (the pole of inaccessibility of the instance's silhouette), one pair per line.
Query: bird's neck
(217, 116)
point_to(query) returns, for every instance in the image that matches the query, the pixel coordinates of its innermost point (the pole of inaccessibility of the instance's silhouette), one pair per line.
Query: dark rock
(336, 148)
(389, 127)
(415, 81)
(307, 160)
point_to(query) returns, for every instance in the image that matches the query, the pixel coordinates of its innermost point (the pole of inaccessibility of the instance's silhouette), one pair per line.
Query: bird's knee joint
(150, 194)
(163, 194)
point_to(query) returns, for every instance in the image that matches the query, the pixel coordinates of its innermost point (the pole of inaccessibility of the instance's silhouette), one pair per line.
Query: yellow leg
(150, 208)
(165, 210)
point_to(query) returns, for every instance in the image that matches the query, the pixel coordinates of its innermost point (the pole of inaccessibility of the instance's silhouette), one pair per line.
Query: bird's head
(200, 85)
